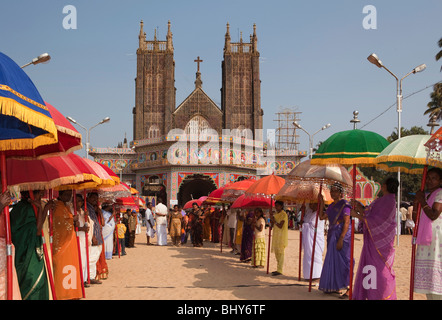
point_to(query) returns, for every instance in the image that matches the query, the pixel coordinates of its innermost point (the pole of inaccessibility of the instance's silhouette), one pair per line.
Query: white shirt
(231, 223)
(161, 209)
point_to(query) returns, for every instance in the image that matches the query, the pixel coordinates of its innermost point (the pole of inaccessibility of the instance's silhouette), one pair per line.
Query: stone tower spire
(142, 37)
(254, 40)
(227, 39)
(169, 46)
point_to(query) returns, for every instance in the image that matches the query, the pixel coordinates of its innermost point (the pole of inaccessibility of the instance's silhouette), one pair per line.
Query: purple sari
(247, 239)
(375, 278)
(336, 268)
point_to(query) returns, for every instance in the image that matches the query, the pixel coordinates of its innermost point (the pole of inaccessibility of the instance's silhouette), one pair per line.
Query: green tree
(435, 105)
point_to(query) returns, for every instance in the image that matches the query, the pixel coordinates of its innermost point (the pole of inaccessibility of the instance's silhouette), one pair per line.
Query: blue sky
(313, 57)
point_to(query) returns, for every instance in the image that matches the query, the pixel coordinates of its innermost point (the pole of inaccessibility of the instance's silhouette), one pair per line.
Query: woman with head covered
(335, 275)
(375, 278)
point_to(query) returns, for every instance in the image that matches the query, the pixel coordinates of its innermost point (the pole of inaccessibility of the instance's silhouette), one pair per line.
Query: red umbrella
(48, 173)
(252, 202)
(127, 203)
(215, 196)
(110, 172)
(69, 140)
(189, 204)
(234, 190)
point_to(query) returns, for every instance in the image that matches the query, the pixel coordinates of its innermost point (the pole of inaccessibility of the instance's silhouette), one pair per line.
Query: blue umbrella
(25, 124)
(25, 121)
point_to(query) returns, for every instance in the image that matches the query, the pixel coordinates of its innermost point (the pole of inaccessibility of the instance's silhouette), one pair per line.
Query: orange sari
(67, 277)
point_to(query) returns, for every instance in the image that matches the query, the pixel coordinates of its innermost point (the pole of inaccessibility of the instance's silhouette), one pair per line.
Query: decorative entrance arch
(195, 186)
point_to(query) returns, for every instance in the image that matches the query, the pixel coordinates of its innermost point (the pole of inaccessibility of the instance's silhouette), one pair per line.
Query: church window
(196, 125)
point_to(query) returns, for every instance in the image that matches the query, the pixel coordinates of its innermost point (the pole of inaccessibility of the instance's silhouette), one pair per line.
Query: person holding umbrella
(428, 262)
(336, 267)
(280, 235)
(377, 256)
(26, 236)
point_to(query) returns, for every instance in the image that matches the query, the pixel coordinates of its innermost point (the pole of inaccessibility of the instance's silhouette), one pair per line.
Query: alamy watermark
(235, 144)
(370, 20)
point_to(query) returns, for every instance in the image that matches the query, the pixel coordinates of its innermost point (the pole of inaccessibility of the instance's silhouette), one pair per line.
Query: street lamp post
(310, 137)
(40, 59)
(88, 131)
(373, 58)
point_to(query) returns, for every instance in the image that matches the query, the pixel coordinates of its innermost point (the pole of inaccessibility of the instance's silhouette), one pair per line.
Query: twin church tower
(156, 113)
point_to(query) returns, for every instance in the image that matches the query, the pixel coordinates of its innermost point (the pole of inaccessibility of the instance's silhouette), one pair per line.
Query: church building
(158, 162)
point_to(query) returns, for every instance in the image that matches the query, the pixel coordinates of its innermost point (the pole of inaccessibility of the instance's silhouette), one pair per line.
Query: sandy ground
(206, 273)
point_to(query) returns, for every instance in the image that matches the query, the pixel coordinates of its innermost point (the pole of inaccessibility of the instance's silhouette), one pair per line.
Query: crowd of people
(57, 257)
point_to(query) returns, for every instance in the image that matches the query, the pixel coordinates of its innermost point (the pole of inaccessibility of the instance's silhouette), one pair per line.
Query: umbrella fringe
(10, 107)
(45, 185)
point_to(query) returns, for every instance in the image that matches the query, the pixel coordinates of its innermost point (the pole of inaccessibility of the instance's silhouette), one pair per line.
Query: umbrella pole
(413, 247)
(270, 235)
(87, 238)
(51, 216)
(300, 240)
(118, 239)
(74, 202)
(314, 240)
(352, 226)
(45, 251)
(9, 276)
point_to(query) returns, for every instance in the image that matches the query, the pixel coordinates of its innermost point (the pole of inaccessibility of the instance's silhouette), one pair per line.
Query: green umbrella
(351, 147)
(407, 154)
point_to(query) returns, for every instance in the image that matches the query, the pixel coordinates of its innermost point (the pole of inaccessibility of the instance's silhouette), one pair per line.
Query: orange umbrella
(267, 186)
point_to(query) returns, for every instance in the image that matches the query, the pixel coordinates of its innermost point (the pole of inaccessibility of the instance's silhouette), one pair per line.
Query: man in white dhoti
(161, 212)
(308, 232)
(108, 229)
(150, 222)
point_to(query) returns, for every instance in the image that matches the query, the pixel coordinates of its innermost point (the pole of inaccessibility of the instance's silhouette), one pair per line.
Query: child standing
(121, 230)
(258, 252)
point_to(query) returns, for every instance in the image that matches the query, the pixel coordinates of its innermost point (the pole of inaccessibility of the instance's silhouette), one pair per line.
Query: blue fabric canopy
(25, 121)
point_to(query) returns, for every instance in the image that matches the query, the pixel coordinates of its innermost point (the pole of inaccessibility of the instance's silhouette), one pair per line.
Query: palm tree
(435, 105)
(439, 54)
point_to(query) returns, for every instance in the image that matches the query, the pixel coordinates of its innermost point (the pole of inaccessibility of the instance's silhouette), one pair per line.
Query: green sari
(29, 260)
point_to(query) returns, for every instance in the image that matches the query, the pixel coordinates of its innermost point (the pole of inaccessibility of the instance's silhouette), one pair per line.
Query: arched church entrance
(195, 186)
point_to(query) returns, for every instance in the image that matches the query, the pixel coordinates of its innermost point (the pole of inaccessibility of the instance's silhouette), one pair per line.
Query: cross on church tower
(198, 60)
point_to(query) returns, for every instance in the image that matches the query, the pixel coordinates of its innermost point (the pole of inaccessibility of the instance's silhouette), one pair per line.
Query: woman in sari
(428, 266)
(67, 277)
(375, 278)
(216, 222)
(259, 249)
(197, 225)
(175, 224)
(335, 275)
(206, 224)
(26, 228)
(247, 238)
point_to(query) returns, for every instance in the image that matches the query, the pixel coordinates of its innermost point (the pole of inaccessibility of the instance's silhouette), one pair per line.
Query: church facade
(185, 151)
